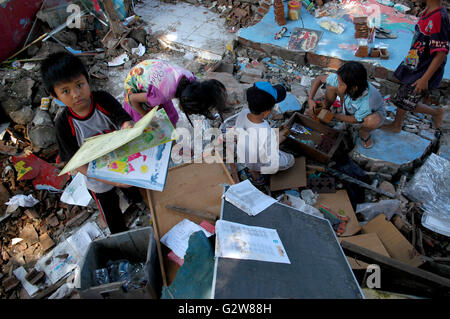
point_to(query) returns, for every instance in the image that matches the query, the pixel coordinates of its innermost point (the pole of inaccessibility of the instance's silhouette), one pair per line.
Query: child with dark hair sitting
(156, 82)
(88, 113)
(361, 101)
(262, 153)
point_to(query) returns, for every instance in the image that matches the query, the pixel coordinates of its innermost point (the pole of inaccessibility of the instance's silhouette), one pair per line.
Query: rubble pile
(238, 13)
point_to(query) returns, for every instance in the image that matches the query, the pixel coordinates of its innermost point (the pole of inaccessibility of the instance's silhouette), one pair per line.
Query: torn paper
(77, 193)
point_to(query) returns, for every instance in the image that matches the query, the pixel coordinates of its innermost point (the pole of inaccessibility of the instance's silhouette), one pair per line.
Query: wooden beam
(114, 22)
(405, 273)
(157, 238)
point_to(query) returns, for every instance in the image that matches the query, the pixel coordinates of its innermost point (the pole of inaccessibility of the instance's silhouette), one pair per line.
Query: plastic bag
(387, 207)
(102, 276)
(133, 275)
(430, 186)
(331, 25)
(309, 196)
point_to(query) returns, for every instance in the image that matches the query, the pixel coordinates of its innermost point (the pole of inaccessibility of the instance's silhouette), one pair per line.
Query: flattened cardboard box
(340, 201)
(294, 177)
(395, 243)
(369, 241)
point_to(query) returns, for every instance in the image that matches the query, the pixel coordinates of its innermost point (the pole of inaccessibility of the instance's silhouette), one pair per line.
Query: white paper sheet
(77, 193)
(22, 201)
(177, 238)
(240, 241)
(248, 198)
(75, 247)
(20, 273)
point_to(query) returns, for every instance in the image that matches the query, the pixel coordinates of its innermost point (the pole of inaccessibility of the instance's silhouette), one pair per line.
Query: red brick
(335, 63)
(381, 73)
(262, 11)
(315, 59)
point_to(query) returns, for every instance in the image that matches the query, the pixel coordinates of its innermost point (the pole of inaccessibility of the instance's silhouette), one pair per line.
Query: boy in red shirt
(423, 67)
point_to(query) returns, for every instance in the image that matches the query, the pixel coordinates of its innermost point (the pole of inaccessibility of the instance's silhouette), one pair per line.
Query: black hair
(259, 101)
(61, 67)
(200, 97)
(354, 74)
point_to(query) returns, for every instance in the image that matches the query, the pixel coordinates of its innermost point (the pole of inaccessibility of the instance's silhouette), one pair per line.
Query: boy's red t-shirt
(431, 35)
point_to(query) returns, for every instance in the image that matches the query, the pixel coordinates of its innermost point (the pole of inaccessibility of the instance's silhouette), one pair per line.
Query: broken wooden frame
(401, 276)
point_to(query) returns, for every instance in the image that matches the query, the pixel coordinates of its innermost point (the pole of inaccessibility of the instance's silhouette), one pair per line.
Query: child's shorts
(406, 99)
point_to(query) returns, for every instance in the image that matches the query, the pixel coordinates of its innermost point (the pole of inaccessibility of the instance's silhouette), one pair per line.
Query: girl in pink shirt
(156, 82)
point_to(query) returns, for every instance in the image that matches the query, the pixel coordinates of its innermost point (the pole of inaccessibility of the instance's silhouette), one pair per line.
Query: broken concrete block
(42, 136)
(22, 116)
(387, 187)
(29, 235)
(24, 88)
(235, 89)
(42, 118)
(251, 75)
(46, 242)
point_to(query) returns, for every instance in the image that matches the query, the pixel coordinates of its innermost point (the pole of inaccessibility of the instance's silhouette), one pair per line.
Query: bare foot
(392, 128)
(437, 119)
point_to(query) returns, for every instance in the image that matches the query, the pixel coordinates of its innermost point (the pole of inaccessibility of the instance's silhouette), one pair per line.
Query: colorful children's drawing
(146, 169)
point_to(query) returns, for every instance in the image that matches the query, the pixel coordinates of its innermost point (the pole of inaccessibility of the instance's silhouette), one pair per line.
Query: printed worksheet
(249, 242)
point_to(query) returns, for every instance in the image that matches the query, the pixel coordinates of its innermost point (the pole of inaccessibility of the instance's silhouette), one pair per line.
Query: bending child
(262, 155)
(156, 82)
(423, 67)
(88, 113)
(361, 101)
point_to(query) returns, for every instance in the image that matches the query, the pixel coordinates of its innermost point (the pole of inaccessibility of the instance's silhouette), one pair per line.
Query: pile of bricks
(361, 27)
(29, 233)
(280, 16)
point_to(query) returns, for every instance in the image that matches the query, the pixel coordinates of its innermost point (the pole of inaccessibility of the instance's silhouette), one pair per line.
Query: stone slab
(398, 149)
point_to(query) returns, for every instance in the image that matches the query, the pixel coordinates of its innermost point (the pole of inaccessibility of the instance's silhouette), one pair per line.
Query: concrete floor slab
(343, 46)
(397, 148)
(187, 28)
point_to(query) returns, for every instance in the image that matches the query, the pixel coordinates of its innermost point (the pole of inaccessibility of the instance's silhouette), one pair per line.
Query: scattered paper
(248, 198)
(121, 59)
(28, 66)
(177, 238)
(22, 201)
(20, 273)
(68, 255)
(140, 50)
(240, 241)
(77, 193)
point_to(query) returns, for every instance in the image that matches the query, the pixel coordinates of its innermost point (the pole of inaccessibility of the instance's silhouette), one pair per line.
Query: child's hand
(127, 124)
(420, 85)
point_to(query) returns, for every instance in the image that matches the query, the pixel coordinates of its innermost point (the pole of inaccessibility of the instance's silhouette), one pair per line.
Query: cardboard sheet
(369, 241)
(395, 243)
(194, 186)
(293, 177)
(336, 202)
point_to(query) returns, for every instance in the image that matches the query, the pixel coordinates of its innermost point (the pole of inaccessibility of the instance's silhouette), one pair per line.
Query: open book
(138, 156)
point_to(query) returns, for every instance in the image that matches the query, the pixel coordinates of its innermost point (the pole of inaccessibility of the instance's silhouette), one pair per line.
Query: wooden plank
(336, 202)
(294, 177)
(157, 237)
(405, 273)
(191, 185)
